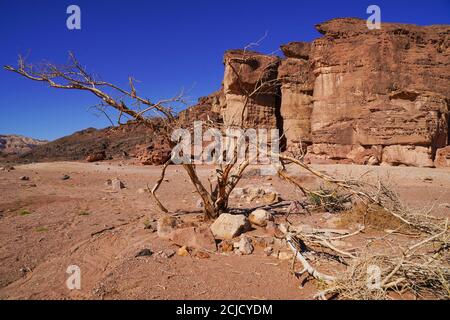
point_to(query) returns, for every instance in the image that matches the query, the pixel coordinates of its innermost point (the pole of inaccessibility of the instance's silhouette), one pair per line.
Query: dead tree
(158, 116)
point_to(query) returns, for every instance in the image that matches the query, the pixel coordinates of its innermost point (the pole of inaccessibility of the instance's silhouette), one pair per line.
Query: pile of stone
(227, 234)
(259, 195)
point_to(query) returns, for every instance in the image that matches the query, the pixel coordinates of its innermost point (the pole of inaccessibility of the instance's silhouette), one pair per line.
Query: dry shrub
(328, 199)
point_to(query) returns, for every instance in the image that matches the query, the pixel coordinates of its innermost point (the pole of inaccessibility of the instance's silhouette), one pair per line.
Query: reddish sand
(80, 221)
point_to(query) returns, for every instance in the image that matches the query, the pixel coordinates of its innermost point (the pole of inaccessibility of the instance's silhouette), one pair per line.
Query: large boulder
(96, 156)
(228, 226)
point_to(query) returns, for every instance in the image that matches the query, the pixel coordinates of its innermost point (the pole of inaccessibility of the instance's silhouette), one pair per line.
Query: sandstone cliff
(352, 96)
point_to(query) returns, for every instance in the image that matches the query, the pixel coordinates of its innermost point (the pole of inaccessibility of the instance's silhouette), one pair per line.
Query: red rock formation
(354, 95)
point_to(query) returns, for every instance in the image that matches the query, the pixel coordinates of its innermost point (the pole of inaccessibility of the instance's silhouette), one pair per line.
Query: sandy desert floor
(48, 224)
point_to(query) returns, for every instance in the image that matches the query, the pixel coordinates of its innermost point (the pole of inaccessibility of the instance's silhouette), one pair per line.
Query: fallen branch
(296, 249)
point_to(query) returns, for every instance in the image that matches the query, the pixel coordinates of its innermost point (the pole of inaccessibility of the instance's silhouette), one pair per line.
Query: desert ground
(49, 223)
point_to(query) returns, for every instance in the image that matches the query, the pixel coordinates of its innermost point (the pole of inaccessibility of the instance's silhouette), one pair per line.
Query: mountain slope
(16, 144)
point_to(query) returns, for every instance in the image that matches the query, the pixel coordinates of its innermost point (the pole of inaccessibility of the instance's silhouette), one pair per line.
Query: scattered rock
(347, 205)
(151, 225)
(279, 242)
(285, 255)
(65, 177)
(254, 193)
(117, 184)
(25, 270)
(238, 192)
(165, 226)
(202, 254)
(98, 156)
(183, 251)
(24, 178)
(272, 229)
(30, 185)
(283, 228)
(260, 242)
(268, 251)
(226, 246)
(428, 179)
(270, 198)
(141, 191)
(295, 208)
(194, 237)
(228, 226)
(144, 253)
(166, 254)
(303, 228)
(260, 217)
(199, 204)
(243, 247)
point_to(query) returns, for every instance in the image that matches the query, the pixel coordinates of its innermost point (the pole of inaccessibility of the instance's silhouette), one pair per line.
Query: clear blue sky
(165, 44)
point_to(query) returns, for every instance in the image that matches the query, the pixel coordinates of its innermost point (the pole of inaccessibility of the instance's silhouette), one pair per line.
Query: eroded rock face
(247, 102)
(352, 96)
(388, 87)
(296, 106)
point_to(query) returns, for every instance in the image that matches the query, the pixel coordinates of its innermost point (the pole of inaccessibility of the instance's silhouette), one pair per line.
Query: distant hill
(17, 145)
(113, 141)
(128, 140)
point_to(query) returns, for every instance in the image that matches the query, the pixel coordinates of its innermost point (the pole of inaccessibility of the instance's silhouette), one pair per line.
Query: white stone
(228, 226)
(260, 217)
(117, 184)
(243, 247)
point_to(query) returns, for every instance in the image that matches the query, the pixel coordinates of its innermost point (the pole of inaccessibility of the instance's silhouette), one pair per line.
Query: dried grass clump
(419, 276)
(372, 216)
